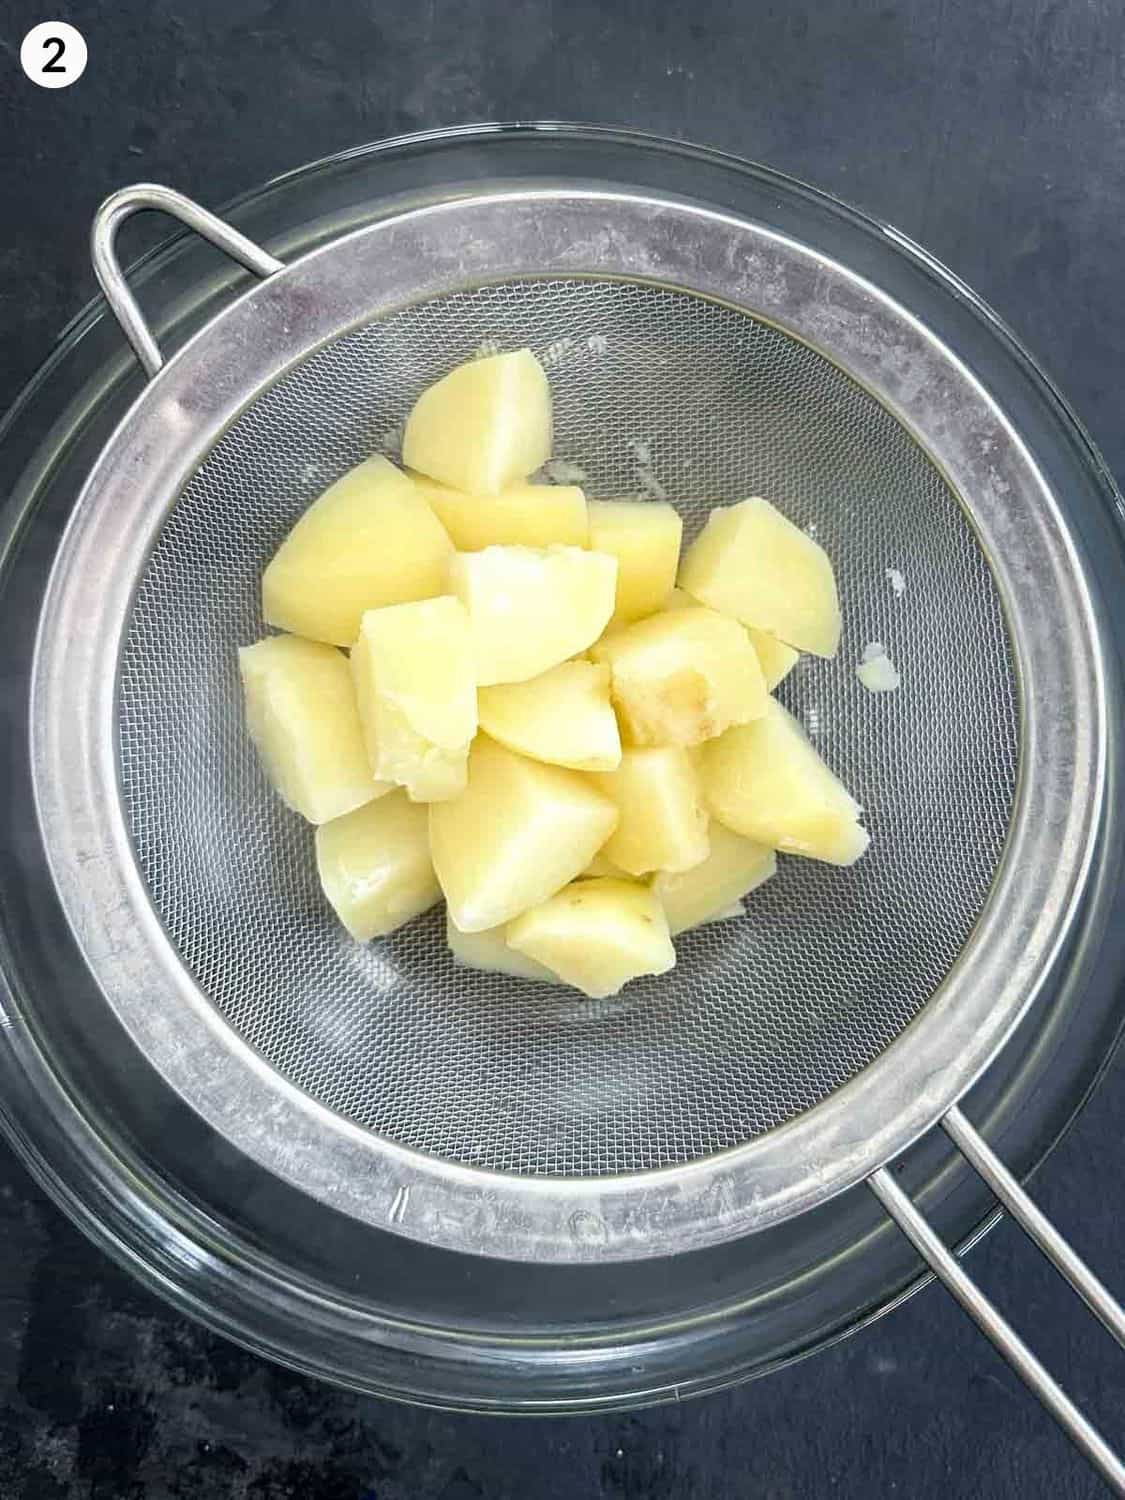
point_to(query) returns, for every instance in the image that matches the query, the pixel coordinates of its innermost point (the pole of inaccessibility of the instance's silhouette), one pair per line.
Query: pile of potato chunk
(541, 714)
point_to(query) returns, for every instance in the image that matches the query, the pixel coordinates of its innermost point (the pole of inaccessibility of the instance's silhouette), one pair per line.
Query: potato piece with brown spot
(682, 677)
(597, 935)
(489, 952)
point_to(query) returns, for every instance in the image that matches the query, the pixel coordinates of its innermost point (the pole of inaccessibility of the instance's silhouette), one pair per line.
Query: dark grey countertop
(992, 131)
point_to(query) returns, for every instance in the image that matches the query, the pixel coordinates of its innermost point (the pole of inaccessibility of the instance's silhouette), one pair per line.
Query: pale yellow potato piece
(489, 952)
(564, 717)
(482, 426)
(301, 714)
(523, 515)
(518, 833)
(532, 607)
(776, 659)
(682, 676)
(713, 890)
(644, 536)
(601, 865)
(369, 540)
(415, 685)
(677, 599)
(749, 561)
(375, 867)
(728, 914)
(662, 823)
(597, 935)
(765, 781)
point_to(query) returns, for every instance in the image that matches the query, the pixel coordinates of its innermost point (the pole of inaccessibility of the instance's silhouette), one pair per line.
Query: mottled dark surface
(994, 132)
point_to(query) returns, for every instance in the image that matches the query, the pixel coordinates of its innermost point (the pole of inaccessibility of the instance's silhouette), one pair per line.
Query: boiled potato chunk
(564, 717)
(729, 913)
(749, 561)
(677, 599)
(368, 541)
(662, 822)
(776, 658)
(489, 952)
(415, 685)
(483, 425)
(644, 536)
(597, 935)
(523, 515)
(683, 676)
(519, 832)
(601, 864)
(301, 714)
(375, 866)
(765, 781)
(712, 891)
(531, 608)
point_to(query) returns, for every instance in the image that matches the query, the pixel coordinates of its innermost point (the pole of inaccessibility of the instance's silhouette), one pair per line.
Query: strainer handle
(985, 1314)
(112, 214)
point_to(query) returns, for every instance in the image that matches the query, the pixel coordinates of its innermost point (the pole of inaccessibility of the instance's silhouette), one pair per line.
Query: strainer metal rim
(564, 231)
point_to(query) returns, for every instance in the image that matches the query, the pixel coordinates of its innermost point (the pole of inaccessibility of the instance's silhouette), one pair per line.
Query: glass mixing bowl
(251, 1256)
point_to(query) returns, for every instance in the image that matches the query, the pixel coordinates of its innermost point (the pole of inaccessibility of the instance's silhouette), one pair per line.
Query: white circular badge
(53, 54)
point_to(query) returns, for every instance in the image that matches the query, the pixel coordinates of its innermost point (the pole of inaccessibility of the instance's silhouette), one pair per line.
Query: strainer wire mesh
(657, 392)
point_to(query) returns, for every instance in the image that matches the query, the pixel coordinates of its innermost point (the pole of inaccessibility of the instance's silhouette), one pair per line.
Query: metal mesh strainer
(760, 1019)
(791, 1054)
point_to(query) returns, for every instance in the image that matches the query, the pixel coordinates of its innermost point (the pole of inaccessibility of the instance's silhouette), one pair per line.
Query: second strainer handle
(122, 205)
(983, 1311)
